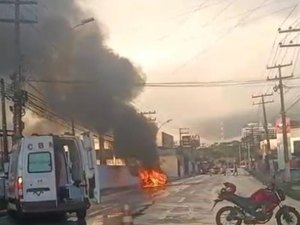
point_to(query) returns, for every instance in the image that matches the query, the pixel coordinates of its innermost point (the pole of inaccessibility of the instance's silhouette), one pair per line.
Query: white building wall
(169, 164)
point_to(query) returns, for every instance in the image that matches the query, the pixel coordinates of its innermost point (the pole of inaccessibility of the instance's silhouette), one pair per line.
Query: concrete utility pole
(4, 123)
(101, 148)
(249, 155)
(73, 127)
(291, 43)
(222, 131)
(18, 97)
(251, 145)
(150, 119)
(280, 78)
(240, 154)
(263, 102)
(181, 132)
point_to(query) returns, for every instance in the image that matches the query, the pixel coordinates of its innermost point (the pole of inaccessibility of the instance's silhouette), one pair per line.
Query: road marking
(98, 211)
(165, 214)
(72, 219)
(192, 192)
(182, 199)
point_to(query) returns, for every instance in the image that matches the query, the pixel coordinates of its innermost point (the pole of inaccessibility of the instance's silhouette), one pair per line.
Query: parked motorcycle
(257, 209)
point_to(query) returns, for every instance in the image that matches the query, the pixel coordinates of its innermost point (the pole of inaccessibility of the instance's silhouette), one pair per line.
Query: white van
(52, 174)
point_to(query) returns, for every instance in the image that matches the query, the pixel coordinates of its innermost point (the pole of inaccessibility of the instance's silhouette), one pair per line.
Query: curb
(3, 213)
(114, 190)
(140, 210)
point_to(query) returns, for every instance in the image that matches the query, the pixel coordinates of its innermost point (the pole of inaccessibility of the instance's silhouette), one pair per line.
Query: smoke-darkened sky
(170, 40)
(54, 49)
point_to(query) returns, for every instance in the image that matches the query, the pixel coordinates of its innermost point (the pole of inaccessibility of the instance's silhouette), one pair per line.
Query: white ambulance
(52, 174)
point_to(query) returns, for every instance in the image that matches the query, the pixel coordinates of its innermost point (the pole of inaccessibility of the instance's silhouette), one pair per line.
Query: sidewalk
(291, 189)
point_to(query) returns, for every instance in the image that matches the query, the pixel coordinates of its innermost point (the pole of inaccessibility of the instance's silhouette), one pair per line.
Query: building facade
(257, 131)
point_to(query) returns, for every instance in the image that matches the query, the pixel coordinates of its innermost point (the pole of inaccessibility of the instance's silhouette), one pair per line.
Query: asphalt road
(190, 202)
(183, 202)
(110, 205)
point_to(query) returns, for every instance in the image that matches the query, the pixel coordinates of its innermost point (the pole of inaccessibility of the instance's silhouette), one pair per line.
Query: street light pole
(84, 22)
(161, 125)
(164, 123)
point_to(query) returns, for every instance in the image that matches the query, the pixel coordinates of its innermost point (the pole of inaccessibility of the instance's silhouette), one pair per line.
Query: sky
(201, 40)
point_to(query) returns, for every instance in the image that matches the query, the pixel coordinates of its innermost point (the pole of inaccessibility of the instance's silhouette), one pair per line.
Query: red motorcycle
(257, 209)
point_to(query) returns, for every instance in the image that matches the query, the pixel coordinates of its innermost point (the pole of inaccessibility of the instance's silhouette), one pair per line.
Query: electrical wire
(212, 83)
(219, 13)
(289, 15)
(43, 112)
(230, 30)
(293, 104)
(262, 17)
(260, 6)
(169, 84)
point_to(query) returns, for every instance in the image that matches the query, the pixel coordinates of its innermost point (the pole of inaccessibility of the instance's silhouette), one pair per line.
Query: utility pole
(240, 153)
(73, 127)
(248, 140)
(287, 166)
(252, 141)
(181, 132)
(249, 155)
(291, 43)
(222, 131)
(4, 123)
(18, 97)
(263, 102)
(149, 118)
(148, 113)
(101, 148)
(280, 78)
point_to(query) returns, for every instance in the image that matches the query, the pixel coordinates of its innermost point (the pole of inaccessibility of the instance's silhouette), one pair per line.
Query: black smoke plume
(53, 50)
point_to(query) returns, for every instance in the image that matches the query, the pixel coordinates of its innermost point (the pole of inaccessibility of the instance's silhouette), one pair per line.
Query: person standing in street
(235, 173)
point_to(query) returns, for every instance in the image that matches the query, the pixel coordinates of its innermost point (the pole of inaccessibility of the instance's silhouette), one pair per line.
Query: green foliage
(223, 150)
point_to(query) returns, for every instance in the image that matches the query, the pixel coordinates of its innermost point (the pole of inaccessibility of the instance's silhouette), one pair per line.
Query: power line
(252, 10)
(168, 84)
(212, 83)
(34, 105)
(230, 30)
(219, 13)
(63, 81)
(293, 104)
(272, 13)
(289, 15)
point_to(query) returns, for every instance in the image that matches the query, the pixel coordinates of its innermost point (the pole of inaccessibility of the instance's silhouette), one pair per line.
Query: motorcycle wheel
(223, 214)
(288, 216)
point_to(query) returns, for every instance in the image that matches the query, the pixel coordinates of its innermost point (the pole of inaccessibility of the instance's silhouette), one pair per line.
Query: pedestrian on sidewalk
(224, 169)
(235, 173)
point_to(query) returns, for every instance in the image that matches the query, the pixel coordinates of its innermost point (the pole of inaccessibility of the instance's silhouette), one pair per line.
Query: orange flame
(152, 178)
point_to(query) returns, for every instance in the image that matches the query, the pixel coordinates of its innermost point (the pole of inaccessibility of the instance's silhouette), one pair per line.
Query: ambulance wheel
(81, 214)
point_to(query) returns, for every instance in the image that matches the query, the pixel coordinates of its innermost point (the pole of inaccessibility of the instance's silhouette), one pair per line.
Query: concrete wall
(116, 177)
(169, 165)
